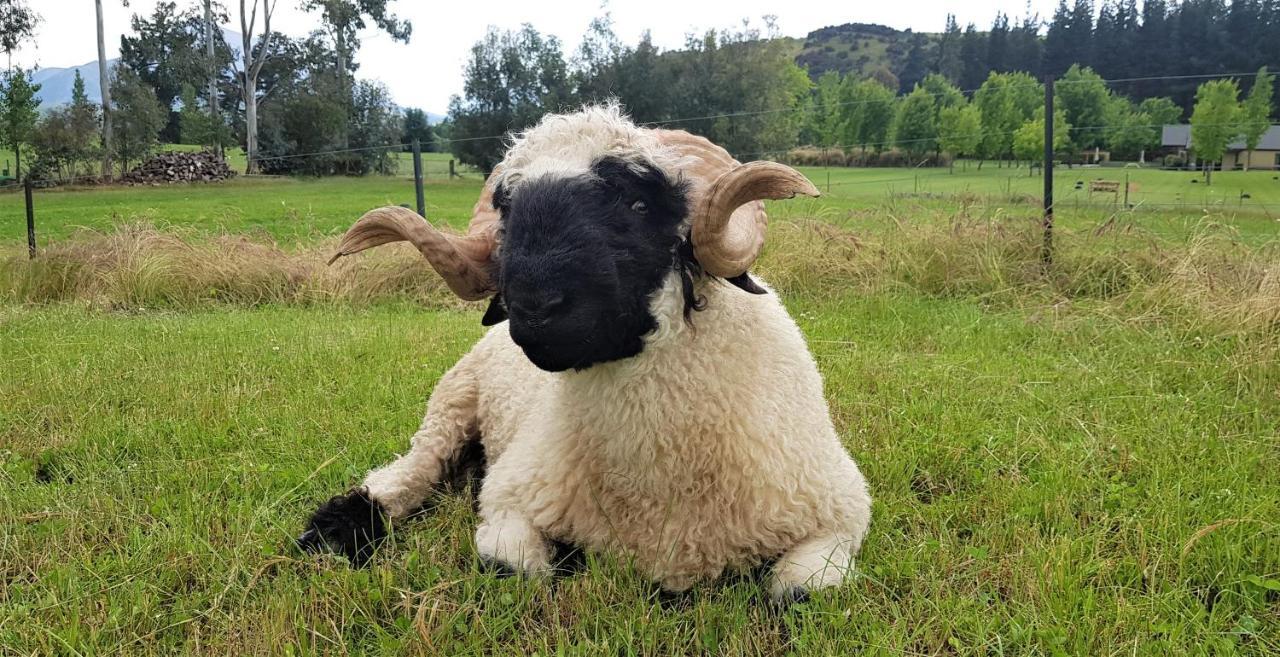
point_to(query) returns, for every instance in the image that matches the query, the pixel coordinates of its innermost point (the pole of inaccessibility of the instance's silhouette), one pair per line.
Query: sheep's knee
(816, 563)
(404, 484)
(511, 541)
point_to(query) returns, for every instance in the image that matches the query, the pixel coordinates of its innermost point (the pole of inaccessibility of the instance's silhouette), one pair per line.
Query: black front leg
(351, 525)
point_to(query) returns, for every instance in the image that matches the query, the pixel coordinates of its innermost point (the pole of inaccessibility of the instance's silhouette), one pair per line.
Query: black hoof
(351, 525)
(569, 560)
(796, 595)
(498, 568)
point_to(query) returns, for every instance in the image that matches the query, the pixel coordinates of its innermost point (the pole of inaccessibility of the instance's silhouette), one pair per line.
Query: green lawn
(1083, 464)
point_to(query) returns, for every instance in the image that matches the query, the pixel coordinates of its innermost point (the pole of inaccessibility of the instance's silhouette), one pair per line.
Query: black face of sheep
(580, 258)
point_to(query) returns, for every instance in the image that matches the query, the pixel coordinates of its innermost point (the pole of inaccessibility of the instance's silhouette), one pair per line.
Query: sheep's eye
(640, 207)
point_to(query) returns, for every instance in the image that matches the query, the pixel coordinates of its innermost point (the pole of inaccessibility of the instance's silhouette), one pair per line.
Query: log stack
(180, 167)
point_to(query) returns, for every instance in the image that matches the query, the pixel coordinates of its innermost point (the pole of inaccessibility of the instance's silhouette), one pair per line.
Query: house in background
(1176, 140)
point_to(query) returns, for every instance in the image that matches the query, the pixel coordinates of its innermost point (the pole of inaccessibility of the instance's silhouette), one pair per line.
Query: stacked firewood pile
(176, 167)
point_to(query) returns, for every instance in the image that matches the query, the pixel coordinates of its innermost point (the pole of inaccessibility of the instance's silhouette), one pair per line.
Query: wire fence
(1086, 187)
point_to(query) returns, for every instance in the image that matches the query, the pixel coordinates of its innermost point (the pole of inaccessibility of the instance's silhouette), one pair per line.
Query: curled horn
(462, 261)
(727, 237)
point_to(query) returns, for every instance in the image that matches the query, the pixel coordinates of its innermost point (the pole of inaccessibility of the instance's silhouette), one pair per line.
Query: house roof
(1179, 136)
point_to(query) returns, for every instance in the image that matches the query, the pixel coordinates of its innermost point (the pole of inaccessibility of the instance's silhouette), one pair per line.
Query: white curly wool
(712, 449)
(567, 144)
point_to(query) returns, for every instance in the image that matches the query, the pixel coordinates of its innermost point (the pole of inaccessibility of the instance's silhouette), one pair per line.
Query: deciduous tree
(1215, 122)
(1256, 111)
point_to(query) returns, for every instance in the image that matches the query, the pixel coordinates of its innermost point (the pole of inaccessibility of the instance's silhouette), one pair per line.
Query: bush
(813, 156)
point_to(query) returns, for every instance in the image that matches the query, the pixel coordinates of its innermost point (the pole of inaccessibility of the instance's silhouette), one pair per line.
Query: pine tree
(949, 63)
(18, 113)
(973, 58)
(998, 44)
(1059, 52)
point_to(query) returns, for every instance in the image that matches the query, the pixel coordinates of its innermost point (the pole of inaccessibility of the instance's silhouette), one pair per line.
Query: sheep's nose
(537, 307)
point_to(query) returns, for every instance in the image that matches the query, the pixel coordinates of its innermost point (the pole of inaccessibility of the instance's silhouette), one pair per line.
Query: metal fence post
(417, 178)
(31, 217)
(1046, 251)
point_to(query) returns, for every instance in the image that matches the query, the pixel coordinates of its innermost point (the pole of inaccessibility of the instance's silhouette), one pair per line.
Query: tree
(868, 111)
(375, 126)
(344, 19)
(1129, 131)
(914, 129)
(973, 57)
(1161, 110)
(510, 81)
(254, 56)
(1028, 140)
(65, 138)
(1006, 101)
(17, 24)
(165, 53)
(825, 111)
(949, 64)
(1214, 122)
(18, 113)
(916, 66)
(1058, 48)
(747, 73)
(960, 130)
(998, 44)
(595, 66)
(1256, 112)
(139, 116)
(417, 127)
(196, 124)
(104, 83)
(1083, 95)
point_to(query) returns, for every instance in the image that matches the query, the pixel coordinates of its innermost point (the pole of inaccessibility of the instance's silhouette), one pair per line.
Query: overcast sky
(427, 70)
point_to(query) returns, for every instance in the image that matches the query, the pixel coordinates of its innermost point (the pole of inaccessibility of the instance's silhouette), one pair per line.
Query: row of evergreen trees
(1119, 39)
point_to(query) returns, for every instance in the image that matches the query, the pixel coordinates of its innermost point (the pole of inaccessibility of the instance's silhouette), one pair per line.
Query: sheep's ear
(497, 311)
(743, 282)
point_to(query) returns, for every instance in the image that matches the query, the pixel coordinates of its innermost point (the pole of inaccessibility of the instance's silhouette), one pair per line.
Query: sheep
(638, 392)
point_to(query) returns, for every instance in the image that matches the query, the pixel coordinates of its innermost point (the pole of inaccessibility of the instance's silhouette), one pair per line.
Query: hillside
(858, 47)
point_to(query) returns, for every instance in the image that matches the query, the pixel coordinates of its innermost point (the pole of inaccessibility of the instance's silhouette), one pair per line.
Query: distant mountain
(55, 83)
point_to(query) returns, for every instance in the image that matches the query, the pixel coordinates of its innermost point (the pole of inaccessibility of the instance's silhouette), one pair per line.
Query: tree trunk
(340, 44)
(213, 73)
(1247, 156)
(105, 81)
(251, 126)
(17, 159)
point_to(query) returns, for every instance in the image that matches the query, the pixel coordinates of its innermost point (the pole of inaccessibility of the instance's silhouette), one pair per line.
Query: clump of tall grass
(1210, 278)
(137, 265)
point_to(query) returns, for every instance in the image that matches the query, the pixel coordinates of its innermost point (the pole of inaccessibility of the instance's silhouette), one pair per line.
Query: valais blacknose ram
(639, 393)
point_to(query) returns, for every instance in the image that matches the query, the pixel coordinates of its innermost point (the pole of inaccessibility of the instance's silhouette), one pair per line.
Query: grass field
(1078, 463)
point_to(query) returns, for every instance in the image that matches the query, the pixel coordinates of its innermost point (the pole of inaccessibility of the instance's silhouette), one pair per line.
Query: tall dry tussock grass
(1211, 279)
(137, 265)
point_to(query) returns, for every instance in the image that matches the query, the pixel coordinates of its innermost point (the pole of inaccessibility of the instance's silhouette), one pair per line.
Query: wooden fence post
(1046, 250)
(417, 178)
(31, 217)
